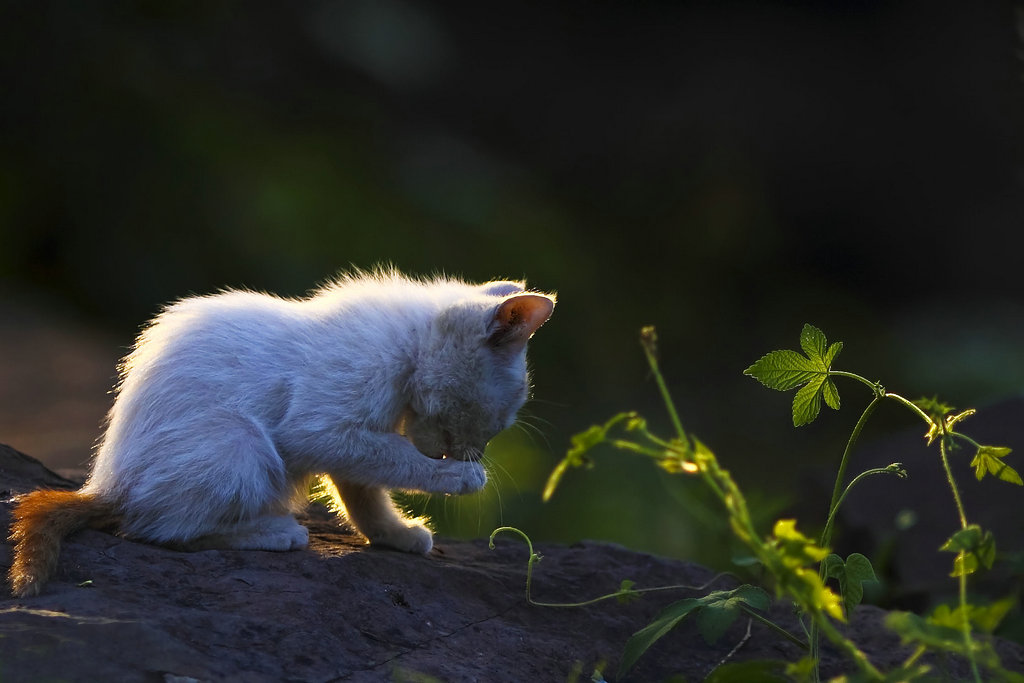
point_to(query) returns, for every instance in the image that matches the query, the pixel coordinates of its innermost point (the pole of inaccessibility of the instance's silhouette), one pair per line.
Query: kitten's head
(471, 377)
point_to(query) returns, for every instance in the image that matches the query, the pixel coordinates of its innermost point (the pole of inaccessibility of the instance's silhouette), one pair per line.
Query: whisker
(533, 432)
(548, 402)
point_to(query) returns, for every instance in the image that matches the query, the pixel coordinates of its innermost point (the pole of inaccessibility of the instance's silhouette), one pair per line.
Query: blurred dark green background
(726, 171)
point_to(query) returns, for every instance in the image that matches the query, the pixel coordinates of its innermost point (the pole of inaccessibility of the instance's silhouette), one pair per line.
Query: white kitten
(229, 403)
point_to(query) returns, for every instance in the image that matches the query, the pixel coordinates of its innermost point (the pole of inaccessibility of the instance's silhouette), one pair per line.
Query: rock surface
(340, 611)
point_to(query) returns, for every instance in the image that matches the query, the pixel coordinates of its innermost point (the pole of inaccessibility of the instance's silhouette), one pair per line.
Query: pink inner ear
(518, 317)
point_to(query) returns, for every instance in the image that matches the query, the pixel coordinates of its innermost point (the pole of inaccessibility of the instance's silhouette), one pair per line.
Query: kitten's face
(472, 411)
(471, 376)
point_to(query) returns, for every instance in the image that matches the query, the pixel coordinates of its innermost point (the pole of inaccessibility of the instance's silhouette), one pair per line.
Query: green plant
(800, 566)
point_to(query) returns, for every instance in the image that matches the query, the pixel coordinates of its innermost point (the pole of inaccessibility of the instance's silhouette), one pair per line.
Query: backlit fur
(229, 403)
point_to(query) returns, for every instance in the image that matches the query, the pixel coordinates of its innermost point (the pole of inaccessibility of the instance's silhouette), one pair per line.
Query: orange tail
(41, 521)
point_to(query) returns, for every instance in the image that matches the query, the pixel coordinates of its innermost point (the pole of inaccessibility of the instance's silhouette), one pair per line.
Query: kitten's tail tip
(41, 521)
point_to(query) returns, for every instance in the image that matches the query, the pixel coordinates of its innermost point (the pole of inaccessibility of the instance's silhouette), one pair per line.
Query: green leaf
(583, 442)
(807, 403)
(964, 539)
(713, 621)
(830, 394)
(756, 597)
(988, 460)
(580, 445)
(722, 607)
(556, 476)
(761, 670)
(745, 561)
(851, 574)
(626, 593)
(640, 641)
(785, 370)
(936, 409)
(858, 568)
(975, 547)
(988, 617)
(914, 629)
(812, 341)
(717, 610)
(944, 631)
(832, 352)
(802, 669)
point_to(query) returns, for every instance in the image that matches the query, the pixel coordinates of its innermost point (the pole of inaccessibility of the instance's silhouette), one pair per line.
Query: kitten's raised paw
(474, 477)
(460, 476)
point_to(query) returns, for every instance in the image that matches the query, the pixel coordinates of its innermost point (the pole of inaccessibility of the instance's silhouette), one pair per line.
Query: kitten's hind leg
(272, 532)
(374, 515)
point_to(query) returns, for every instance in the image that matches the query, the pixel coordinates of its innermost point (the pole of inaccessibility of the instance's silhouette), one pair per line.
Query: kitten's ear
(517, 318)
(502, 288)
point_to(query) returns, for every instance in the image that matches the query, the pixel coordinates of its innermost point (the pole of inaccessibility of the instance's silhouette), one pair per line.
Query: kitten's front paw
(415, 538)
(461, 476)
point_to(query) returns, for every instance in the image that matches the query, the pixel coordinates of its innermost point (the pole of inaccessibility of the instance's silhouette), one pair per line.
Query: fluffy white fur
(229, 403)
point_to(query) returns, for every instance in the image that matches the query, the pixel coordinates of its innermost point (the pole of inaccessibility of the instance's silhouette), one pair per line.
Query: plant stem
(648, 339)
(837, 497)
(917, 654)
(966, 625)
(852, 375)
(837, 490)
(773, 626)
(952, 484)
(847, 646)
(966, 438)
(909, 404)
(827, 533)
(534, 558)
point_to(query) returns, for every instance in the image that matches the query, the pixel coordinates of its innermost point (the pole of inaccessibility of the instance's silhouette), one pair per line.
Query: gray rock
(340, 611)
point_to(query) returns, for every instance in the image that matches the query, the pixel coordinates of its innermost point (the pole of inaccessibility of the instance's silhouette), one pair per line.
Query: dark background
(726, 171)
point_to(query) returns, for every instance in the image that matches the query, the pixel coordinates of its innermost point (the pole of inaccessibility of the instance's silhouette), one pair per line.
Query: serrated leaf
(783, 370)
(812, 341)
(831, 394)
(832, 352)
(935, 408)
(640, 641)
(807, 402)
